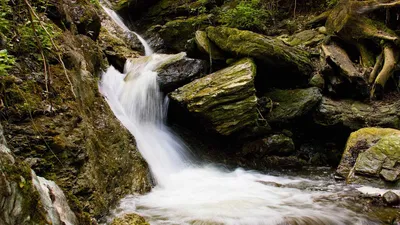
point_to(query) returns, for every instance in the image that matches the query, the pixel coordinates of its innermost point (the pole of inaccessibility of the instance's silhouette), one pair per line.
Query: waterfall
(118, 20)
(138, 104)
(191, 194)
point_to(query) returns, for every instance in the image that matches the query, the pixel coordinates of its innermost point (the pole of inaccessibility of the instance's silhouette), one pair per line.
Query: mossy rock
(277, 144)
(271, 51)
(304, 38)
(291, 104)
(371, 156)
(176, 33)
(214, 97)
(130, 219)
(206, 46)
(354, 114)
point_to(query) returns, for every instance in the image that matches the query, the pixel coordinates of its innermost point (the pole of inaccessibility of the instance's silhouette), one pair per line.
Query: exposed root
(391, 58)
(377, 68)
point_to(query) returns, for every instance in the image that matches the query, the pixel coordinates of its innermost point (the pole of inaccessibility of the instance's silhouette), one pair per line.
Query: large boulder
(291, 104)
(213, 98)
(372, 156)
(271, 51)
(354, 115)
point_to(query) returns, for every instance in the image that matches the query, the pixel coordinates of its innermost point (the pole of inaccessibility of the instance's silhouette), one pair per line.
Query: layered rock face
(225, 99)
(63, 128)
(27, 198)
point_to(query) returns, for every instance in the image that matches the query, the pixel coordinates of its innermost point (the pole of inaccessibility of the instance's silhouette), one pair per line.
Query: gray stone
(390, 198)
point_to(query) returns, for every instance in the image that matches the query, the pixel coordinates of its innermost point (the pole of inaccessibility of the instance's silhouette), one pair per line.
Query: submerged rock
(130, 219)
(391, 198)
(225, 100)
(372, 156)
(355, 115)
(273, 52)
(292, 104)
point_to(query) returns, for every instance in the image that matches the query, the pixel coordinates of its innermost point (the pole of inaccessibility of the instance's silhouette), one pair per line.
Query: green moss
(130, 219)
(271, 51)
(211, 98)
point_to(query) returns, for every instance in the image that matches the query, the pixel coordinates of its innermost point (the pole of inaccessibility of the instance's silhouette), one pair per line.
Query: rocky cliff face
(56, 121)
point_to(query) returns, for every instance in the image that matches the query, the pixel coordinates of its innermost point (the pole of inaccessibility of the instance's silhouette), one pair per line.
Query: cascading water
(118, 20)
(189, 194)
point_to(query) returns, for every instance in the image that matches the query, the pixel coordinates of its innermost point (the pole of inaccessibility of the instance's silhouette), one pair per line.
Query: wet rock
(130, 219)
(273, 52)
(207, 47)
(213, 98)
(355, 115)
(78, 17)
(181, 72)
(372, 156)
(391, 198)
(277, 144)
(176, 71)
(292, 104)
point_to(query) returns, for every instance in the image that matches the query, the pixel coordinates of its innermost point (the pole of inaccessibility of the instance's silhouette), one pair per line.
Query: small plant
(6, 62)
(248, 14)
(5, 11)
(331, 3)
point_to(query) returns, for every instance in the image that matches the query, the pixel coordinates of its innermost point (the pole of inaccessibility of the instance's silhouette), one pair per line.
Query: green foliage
(5, 11)
(29, 43)
(332, 3)
(248, 14)
(6, 62)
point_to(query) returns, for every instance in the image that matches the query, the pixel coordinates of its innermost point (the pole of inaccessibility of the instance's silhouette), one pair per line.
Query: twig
(54, 45)
(41, 52)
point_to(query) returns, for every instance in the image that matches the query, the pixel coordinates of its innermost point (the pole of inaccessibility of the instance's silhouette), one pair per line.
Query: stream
(188, 192)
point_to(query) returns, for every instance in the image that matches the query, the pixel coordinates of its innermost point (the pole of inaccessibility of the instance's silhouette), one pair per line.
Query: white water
(190, 194)
(118, 20)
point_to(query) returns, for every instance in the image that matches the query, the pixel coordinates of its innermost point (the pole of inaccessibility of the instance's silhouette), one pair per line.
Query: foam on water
(191, 194)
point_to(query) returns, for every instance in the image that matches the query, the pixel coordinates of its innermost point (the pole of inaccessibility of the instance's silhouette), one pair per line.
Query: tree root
(377, 68)
(391, 58)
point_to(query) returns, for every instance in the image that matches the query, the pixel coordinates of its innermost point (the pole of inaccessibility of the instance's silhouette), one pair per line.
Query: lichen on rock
(372, 156)
(225, 100)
